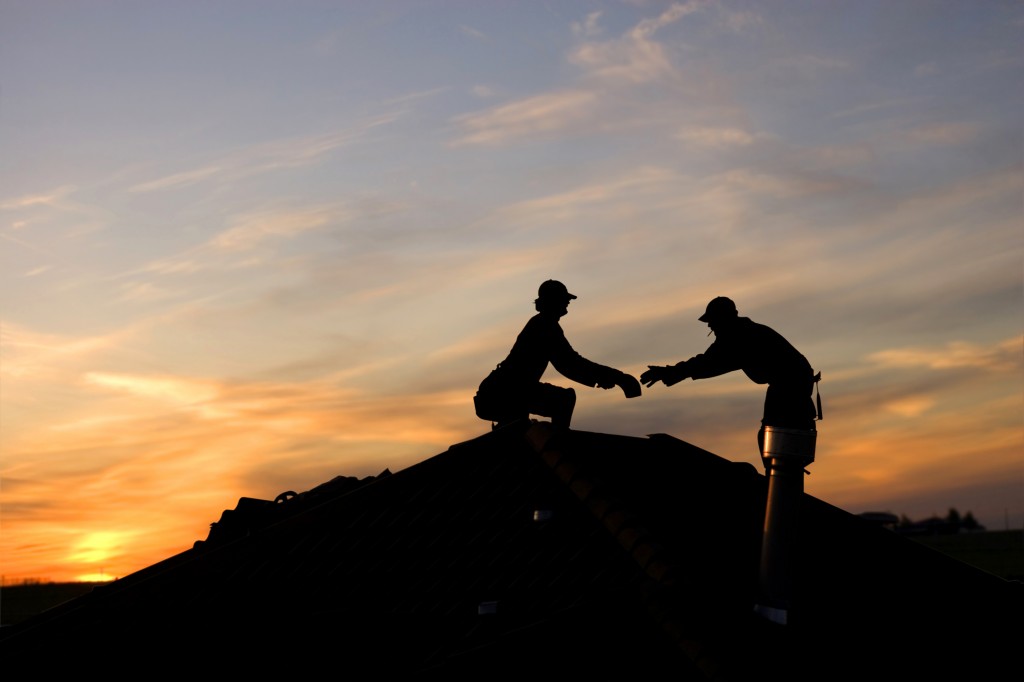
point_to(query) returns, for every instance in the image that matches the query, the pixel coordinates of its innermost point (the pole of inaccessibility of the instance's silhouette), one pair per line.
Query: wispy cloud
(57, 206)
(31, 353)
(910, 406)
(472, 32)
(246, 232)
(944, 133)
(171, 389)
(715, 137)
(589, 27)
(548, 113)
(268, 157)
(176, 180)
(250, 230)
(955, 355)
(144, 291)
(635, 57)
(52, 198)
(640, 184)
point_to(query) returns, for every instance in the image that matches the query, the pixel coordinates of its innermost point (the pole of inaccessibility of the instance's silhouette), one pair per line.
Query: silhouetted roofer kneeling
(513, 390)
(763, 355)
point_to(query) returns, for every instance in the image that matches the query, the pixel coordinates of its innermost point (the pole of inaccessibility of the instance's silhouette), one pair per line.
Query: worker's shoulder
(542, 325)
(748, 325)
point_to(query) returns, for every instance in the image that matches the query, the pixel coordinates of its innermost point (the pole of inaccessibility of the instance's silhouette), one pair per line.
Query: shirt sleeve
(574, 366)
(713, 362)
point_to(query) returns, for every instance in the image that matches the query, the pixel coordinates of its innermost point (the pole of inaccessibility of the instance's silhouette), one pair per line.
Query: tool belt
(491, 401)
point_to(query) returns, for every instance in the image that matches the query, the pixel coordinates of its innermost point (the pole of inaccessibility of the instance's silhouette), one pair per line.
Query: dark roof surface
(526, 550)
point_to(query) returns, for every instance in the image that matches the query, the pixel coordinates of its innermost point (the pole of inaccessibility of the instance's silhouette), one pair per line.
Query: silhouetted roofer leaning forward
(764, 355)
(513, 390)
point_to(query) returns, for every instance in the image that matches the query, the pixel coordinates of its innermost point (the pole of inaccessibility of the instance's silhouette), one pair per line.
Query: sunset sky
(248, 246)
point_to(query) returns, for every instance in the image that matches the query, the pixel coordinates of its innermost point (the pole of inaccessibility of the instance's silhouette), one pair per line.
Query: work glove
(669, 375)
(653, 375)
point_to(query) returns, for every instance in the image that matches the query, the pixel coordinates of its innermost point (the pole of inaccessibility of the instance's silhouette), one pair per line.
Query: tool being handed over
(630, 386)
(613, 377)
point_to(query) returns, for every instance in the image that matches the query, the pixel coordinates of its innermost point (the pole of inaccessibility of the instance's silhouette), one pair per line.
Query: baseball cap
(553, 289)
(718, 308)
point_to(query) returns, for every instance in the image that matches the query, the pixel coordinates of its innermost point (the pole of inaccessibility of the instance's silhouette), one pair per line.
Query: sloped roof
(527, 549)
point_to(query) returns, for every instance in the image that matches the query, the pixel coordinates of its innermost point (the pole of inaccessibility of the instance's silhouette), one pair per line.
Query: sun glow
(94, 578)
(95, 548)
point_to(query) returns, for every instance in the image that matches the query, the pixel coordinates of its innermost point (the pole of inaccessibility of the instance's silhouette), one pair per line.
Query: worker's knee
(556, 402)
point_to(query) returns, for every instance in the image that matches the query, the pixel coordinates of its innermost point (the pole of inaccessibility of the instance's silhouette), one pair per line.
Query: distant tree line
(951, 524)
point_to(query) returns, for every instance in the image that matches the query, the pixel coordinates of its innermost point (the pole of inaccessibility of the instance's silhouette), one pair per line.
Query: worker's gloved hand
(653, 375)
(669, 375)
(675, 373)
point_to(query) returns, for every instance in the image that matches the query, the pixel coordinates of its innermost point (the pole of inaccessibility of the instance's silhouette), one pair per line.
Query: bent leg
(501, 409)
(555, 402)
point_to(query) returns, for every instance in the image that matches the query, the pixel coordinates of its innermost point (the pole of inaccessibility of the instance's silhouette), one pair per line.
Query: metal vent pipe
(786, 454)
